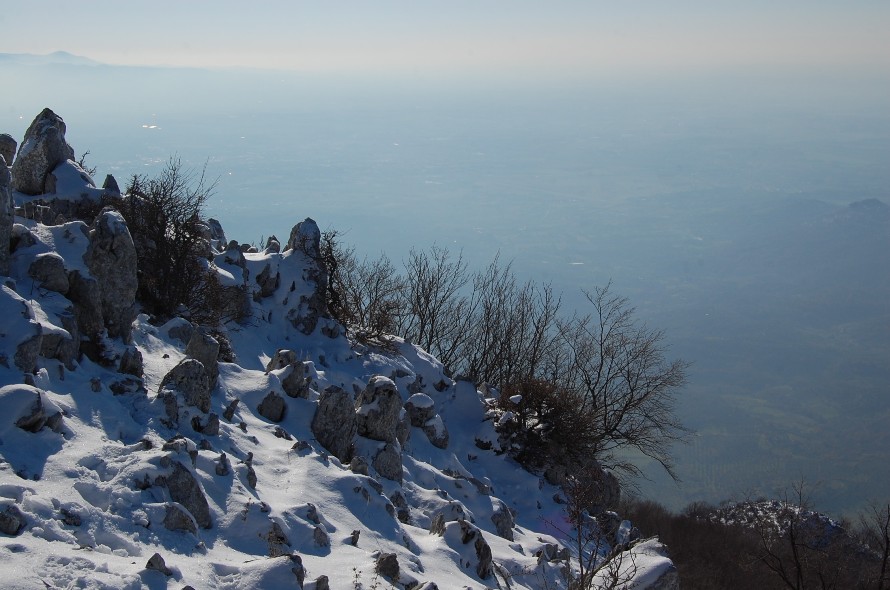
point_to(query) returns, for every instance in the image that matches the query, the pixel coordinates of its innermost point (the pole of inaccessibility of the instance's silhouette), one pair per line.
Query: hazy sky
(393, 35)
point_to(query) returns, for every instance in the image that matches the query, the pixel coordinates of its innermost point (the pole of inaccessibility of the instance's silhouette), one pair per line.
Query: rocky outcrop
(305, 238)
(378, 409)
(186, 490)
(67, 174)
(388, 461)
(7, 148)
(334, 423)
(12, 521)
(273, 407)
(295, 380)
(111, 258)
(190, 379)
(205, 348)
(42, 149)
(29, 409)
(503, 521)
(6, 217)
(48, 269)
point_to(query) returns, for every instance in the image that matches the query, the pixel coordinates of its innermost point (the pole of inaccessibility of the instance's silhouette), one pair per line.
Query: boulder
(205, 348)
(471, 534)
(131, 362)
(504, 521)
(378, 409)
(156, 563)
(283, 357)
(278, 542)
(177, 519)
(435, 431)
(7, 148)
(110, 186)
(295, 380)
(305, 237)
(42, 149)
(12, 521)
(6, 217)
(48, 269)
(273, 407)
(388, 566)
(421, 408)
(388, 462)
(334, 423)
(190, 379)
(186, 490)
(111, 258)
(267, 281)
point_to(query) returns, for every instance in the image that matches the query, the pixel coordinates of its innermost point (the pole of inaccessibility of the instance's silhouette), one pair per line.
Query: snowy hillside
(273, 452)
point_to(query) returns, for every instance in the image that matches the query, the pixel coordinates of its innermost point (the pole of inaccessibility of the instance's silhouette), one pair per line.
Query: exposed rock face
(190, 378)
(305, 238)
(43, 148)
(388, 462)
(504, 522)
(48, 269)
(111, 258)
(6, 216)
(110, 186)
(205, 348)
(334, 423)
(186, 490)
(273, 407)
(7, 147)
(378, 409)
(471, 534)
(267, 281)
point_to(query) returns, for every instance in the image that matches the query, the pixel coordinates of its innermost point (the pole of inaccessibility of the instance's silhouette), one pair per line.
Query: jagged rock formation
(43, 148)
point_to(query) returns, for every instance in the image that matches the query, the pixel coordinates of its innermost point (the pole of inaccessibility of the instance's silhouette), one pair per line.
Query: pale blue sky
(463, 35)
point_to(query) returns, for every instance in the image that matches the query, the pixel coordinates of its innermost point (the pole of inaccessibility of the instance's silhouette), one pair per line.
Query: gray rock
(156, 563)
(85, 294)
(190, 379)
(273, 407)
(471, 534)
(48, 269)
(177, 519)
(283, 357)
(186, 490)
(223, 467)
(6, 217)
(436, 432)
(420, 408)
(110, 186)
(322, 583)
(296, 379)
(305, 237)
(12, 521)
(131, 362)
(7, 148)
(111, 258)
(68, 169)
(42, 149)
(359, 465)
(388, 462)
(205, 348)
(181, 330)
(504, 522)
(378, 409)
(388, 566)
(334, 423)
(278, 542)
(273, 246)
(216, 231)
(321, 538)
(267, 281)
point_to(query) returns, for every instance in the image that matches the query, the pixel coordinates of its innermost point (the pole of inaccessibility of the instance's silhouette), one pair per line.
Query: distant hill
(57, 57)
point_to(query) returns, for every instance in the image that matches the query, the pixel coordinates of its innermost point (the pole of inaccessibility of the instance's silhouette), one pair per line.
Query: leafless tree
(627, 387)
(875, 532)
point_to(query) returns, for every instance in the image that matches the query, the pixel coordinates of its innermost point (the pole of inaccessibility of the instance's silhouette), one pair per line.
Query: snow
(94, 519)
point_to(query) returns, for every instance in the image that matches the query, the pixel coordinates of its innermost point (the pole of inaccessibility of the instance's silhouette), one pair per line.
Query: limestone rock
(156, 563)
(305, 237)
(131, 362)
(186, 490)
(295, 380)
(65, 176)
(378, 409)
(436, 432)
(388, 462)
(28, 408)
(205, 348)
(421, 408)
(273, 407)
(388, 566)
(48, 269)
(278, 542)
(111, 258)
(12, 521)
(7, 148)
(267, 281)
(504, 522)
(177, 519)
(283, 357)
(42, 149)
(471, 534)
(190, 379)
(110, 186)
(334, 423)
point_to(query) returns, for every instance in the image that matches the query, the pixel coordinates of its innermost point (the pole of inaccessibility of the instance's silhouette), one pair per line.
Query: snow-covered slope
(102, 471)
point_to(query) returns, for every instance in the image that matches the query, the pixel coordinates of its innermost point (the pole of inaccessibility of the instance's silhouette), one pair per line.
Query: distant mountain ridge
(56, 57)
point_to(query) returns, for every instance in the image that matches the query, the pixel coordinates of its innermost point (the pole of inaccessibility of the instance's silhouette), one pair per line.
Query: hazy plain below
(745, 213)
